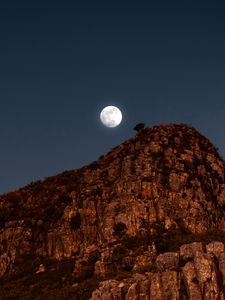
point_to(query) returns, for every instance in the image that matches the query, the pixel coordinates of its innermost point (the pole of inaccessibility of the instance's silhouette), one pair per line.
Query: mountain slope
(113, 221)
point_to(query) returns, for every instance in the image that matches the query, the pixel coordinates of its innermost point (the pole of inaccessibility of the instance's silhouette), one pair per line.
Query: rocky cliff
(145, 221)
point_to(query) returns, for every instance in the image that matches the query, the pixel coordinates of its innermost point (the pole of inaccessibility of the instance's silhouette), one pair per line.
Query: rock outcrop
(190, 273)
(144, 221)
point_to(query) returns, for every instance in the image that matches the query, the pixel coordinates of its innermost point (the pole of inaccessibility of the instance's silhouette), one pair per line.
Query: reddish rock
(143, 262)
(216, 248)
(188, 251)
(167, 261)
(191, 282)
(145, 221)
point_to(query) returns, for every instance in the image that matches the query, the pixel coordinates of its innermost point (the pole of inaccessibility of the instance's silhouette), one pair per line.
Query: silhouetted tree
(139, 126)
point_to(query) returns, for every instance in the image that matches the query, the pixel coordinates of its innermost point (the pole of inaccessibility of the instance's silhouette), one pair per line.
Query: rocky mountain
(145, 221)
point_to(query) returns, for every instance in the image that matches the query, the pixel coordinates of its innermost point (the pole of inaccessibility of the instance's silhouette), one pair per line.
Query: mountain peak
(148, 195)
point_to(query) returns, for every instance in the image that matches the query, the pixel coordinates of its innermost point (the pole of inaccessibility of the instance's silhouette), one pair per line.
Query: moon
(111, 116)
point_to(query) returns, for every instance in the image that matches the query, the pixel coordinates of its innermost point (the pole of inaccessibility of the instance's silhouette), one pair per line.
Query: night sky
(63, 61)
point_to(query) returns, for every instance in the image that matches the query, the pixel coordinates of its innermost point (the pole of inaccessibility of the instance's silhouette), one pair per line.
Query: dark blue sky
(63, 61)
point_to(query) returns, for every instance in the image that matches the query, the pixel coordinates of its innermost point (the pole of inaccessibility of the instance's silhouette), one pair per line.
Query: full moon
(111, 116)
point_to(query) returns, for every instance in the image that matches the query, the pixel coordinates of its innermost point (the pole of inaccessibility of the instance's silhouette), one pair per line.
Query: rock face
(201, 277)
(145, 221)
(190, 273)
